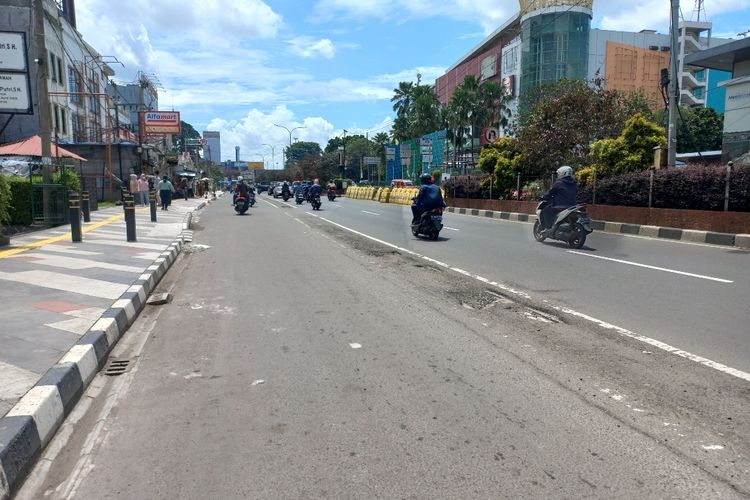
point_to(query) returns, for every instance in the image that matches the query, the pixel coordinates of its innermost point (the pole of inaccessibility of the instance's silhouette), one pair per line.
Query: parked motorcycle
(331, 194)
(430, 224)
(239, 205)
(572, 225)
(315, 201)
(299, 197)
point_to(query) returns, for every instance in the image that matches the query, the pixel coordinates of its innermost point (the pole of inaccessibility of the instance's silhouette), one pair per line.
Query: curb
(29, 426)
(669, 233)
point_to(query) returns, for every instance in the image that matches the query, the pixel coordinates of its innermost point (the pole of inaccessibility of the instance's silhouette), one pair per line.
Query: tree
(698, 128)
(188, 140)
(357, 147)
(418, 110)
(559, 122)
(633, 150)
(501, 159)
(300, 150)
(381, 141)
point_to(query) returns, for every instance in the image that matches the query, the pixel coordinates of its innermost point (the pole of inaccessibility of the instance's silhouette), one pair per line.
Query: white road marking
(70, 250)
(642, 338)
(451, 228)
(79, 326)
(354, 345)
(67, 283)
(369, 213)
(713, 447)
(53, 260)
(655, 268)
(258, 382)
(16, 381)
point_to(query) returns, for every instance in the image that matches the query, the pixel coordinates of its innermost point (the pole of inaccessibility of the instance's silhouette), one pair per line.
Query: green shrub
(20, 209)
(5, 200)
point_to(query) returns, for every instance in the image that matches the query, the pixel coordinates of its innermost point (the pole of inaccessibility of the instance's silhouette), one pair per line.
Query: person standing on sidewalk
(134, 185)
(143, 190)
(165, 192)
(184, 187)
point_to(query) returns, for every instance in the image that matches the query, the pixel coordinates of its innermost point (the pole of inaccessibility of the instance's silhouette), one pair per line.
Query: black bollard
(128, 205)
(86, 206)
(152, 202)
(74, 204)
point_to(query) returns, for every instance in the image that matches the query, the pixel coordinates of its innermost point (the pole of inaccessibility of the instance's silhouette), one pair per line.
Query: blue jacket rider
(429, 197)
(315, 189)
(562, 194)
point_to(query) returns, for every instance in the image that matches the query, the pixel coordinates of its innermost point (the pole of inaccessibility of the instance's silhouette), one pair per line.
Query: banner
(161, 122)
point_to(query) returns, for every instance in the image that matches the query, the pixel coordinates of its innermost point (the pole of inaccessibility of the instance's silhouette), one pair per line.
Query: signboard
(489, 135)
(489, 67)
(371, 160)
(255, 165)
(14, 93)
(161, 122)
(15, 86)
(390, 153)
(13, 51)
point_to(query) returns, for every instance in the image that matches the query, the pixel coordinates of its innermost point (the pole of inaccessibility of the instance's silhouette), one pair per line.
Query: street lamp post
(288, 151)
(273, 155)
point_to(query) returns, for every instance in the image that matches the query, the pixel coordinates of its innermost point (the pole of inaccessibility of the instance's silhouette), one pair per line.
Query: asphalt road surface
(298, 359)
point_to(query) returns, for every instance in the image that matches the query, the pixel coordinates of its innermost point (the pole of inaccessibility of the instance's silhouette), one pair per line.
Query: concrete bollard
(128, 205)
(86, 206)
(152, 203)
(74, 207)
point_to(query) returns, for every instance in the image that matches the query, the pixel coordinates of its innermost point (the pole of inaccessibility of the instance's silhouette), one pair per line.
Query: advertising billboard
(255, 165)
(161, 122)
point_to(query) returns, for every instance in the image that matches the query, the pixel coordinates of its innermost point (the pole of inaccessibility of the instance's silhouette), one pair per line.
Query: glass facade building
(554, 46)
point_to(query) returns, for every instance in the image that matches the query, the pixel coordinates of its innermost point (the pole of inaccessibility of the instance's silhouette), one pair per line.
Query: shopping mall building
(552, 39)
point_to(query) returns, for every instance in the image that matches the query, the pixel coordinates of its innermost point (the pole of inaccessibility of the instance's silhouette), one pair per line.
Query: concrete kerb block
(694, 236)
(98, 341)
(121, 317)
(720, 238)
(612, 227)
(84, 357)
(109, 327)
(140, 290)
(19, 449)
(69, 383)
(650, 231)
(742, 240)
(44, 404)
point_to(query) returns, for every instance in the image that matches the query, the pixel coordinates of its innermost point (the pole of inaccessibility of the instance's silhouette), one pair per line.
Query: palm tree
(402, 98)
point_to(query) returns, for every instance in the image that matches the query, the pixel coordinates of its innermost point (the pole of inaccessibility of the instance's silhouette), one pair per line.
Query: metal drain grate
(117, 367)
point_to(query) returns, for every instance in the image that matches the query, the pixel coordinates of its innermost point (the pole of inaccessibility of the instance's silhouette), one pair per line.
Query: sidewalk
(63, 307)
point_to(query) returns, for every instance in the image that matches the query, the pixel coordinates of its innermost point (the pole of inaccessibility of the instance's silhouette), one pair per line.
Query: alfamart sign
(161, 122)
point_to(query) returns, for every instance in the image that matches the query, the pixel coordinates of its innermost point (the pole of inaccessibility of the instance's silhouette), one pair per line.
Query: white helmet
(240, 179)
(564, 172)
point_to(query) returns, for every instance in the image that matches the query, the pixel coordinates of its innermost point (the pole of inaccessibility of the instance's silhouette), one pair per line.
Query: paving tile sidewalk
(52, 291)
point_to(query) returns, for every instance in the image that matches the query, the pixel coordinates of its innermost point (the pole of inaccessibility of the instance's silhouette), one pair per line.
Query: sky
(241, 66)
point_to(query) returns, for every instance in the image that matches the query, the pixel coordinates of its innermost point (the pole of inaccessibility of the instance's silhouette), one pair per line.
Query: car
(277, 190)
(263, 186)
(401, 183)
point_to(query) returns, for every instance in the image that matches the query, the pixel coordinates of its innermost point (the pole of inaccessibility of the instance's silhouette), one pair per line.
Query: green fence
(49, 203)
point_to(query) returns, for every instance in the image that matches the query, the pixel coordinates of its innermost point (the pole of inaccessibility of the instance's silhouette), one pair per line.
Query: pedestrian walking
(143, 190)
(165, 192)
(184, 187)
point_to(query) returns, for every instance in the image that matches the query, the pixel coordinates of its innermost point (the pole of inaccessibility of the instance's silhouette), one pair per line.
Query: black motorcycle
(429, 224)
(331, 194)
(315, 201)
(299, 197)
(572, 225)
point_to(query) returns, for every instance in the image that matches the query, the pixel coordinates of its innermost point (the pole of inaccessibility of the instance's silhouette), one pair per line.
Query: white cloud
(654, 14)
(257, 128)
(310, 48)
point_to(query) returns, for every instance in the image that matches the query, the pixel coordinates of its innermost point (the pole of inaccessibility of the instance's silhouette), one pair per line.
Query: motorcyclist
(429, 198)
(315, 189)
(562, 194)
(243, 190)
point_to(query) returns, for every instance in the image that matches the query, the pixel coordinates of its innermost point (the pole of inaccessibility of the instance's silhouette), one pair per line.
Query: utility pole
(674, 86)
(43, 104)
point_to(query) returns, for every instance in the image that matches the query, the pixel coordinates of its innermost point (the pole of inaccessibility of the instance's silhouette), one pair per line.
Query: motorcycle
(315, 201)
(430, 224)
(299, 198)
(285, 195)
(572, 225)
(331, 194)
(251, 197)
(239, 205)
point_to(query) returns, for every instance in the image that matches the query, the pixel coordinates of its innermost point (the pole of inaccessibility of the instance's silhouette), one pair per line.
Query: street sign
(204, 141)
(390, 153)
(371, 160)
(13, 51)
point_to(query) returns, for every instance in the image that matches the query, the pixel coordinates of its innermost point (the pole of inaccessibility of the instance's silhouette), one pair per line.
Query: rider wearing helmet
(429, 197)
(562, 194)
(243, 190)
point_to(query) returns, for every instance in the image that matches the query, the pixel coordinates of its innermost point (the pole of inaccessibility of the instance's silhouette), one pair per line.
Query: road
(298, 359)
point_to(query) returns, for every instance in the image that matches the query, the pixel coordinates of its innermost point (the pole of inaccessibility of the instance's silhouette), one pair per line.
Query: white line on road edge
(366, 212)
(692, 275)
(450, 228)
(603, 324)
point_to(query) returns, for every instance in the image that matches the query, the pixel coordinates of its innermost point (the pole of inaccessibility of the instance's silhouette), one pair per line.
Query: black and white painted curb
(33, 421)
(670, 233)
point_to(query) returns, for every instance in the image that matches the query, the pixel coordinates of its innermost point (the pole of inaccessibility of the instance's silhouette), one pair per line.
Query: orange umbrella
(32, 146)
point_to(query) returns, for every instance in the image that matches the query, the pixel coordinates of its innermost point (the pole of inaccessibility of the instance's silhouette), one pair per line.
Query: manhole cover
(117, 367)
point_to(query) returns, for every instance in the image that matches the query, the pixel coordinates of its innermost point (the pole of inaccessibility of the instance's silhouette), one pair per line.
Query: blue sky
(328, 65)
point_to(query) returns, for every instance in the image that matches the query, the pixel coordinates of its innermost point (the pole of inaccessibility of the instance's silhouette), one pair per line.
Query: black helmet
(425, 179)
